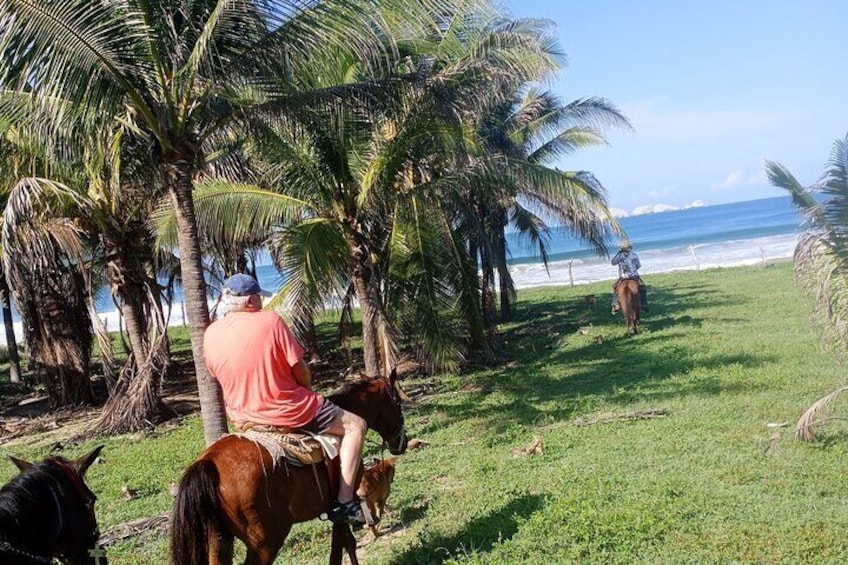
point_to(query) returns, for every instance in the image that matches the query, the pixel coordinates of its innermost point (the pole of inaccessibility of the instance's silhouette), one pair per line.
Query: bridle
(87, 497)
(395, 399)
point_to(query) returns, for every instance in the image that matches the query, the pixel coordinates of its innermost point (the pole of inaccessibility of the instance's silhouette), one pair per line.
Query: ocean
(725, 235)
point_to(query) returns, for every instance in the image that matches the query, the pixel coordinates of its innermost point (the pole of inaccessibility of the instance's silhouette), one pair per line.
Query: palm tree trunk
(505, 283)
(310, 337)
(11, 342)
(179, 182)
(134, 403)
(471, 297)
(370, 332)
(58, 334)
(368, 304)
(135, 320)
(487, 292)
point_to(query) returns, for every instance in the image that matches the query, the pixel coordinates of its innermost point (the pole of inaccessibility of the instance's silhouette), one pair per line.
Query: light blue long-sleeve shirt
(628, 264)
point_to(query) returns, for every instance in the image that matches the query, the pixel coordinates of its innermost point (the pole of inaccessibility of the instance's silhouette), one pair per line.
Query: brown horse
(628, 299)
(234, 489)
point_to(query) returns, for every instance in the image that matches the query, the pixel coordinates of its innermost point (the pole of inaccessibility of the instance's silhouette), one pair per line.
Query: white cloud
(695, 204)
(619, 213)
(732, 180)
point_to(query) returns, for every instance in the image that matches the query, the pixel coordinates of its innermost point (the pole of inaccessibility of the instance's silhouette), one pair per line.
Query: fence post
(694, 257)
(570, 275)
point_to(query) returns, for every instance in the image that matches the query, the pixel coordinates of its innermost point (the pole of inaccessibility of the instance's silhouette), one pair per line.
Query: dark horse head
(47, 511)
(378, 402)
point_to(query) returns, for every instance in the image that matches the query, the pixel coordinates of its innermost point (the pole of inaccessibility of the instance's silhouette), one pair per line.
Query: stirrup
(346, 513)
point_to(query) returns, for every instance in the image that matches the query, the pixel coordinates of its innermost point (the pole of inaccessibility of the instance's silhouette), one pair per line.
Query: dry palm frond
(821, 259)
(623, 417)
(152, 525)
(815, 416)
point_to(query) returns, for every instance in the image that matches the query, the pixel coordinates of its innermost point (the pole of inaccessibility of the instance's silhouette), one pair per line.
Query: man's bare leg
(351, 429)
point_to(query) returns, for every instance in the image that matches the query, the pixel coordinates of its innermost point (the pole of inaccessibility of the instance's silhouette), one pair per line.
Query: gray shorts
(323, 420)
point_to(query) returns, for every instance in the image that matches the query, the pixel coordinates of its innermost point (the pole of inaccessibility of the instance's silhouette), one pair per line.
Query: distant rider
(628, 268)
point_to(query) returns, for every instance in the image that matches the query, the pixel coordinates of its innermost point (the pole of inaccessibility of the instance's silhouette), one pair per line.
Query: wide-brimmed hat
(243, 285)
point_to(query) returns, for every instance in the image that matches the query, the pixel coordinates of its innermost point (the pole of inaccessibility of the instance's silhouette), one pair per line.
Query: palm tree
(49, 286)
(106, 197)
(51, 293)
(367, 185)
(821, 257)
(187, 73)
(531, 132)
(12, 160)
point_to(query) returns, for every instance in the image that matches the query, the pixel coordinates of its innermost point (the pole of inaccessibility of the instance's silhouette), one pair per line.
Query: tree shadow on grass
(595, 368)
(479, 535)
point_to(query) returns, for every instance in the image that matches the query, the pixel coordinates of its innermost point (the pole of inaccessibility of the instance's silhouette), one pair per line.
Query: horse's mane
(351, 387)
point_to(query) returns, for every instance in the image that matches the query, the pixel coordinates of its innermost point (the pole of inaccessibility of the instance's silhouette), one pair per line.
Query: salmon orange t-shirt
(251, 353)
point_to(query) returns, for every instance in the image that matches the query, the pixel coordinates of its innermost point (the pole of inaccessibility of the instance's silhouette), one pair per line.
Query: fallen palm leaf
(805, 429)
(635, 415)
(132, 529)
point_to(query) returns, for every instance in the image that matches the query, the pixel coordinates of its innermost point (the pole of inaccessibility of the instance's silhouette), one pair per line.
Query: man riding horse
(265, 381)
(628, 268)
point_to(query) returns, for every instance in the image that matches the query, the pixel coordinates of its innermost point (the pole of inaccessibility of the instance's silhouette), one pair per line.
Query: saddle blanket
(297, 448)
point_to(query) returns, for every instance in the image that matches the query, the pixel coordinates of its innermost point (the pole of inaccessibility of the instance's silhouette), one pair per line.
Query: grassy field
(725, 352)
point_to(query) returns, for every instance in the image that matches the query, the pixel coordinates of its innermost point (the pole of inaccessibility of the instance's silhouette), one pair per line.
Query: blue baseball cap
(244, 285)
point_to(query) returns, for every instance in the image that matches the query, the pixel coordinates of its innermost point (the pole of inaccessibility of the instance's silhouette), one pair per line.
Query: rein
(6, 547)
(395, 400)
(393, 396)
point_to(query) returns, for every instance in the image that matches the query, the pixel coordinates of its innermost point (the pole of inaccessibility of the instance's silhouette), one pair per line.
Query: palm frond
(803, 200)
(816, 416)
(90, 53)
(565, 144)
(231, 215)
(311, 258)
(531, 228)
(419, 288)
(575, 199)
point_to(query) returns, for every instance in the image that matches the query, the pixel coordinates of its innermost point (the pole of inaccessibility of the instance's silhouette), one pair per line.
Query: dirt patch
(26, 415)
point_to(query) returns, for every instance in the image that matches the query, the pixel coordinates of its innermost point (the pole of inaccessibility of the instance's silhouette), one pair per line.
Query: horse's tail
(196, 517)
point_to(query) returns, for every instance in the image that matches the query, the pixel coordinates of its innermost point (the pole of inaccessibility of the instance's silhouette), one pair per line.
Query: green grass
(724, 351)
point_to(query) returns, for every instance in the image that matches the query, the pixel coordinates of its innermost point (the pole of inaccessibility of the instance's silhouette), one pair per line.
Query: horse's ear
(20, 463)
(393, 376)
(83, 463)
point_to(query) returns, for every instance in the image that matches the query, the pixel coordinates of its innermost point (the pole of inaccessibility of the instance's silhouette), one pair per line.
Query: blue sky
(713, 89)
